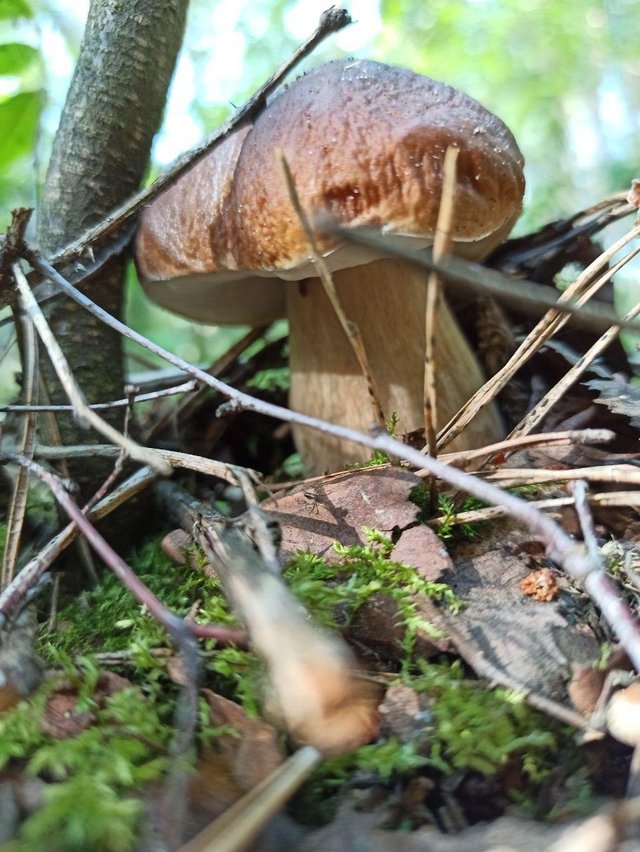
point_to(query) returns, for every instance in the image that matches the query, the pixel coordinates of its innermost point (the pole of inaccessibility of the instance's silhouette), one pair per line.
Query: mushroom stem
(386, 299)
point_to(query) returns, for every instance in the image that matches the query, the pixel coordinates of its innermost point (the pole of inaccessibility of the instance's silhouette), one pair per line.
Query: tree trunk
(100, 153)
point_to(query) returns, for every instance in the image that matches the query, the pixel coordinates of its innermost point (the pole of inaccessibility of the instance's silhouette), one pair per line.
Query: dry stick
(542, 408)
(559, 546)
(459, 459)
(12, 597)
(349, 327)
(186, 461)
(330, 22)
(185, 387)
(618, 474)
(441, 248)
(549, 325)
(18, 505)
(586, 518)
(547, 439)
(473, 278)
(606, 499)
(186, 714)
(310, 671)
(240, 824)
(63, 371)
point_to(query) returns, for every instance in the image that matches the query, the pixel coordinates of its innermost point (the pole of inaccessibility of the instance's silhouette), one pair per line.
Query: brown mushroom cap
(366, 143)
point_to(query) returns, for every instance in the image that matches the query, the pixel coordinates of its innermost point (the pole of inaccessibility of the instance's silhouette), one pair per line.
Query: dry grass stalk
(581, 290)
(441, 247)
(542, 408)
(18, 503)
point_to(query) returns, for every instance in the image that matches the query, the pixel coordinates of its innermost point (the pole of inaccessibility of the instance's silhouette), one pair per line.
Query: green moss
(95, 777)
(479, 728)
(333, 591)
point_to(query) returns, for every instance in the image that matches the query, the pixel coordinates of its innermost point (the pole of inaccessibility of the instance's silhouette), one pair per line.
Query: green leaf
(19, 115)
(14, 9)
(15, 57)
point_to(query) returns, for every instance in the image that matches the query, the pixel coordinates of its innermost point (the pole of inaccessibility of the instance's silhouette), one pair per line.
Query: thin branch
(330, 22)
(441, 248)
(63, 371)
(185, 387)
(18, 504)
(15, 593)
(560, 547)
(186, 461)
(625, 499)
(472, 278)
(310, 671)
(240, 824)
(545, 439)
(586, 518)
(615, 474)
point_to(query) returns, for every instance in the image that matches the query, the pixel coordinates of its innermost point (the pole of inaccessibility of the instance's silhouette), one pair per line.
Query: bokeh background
(563, 74)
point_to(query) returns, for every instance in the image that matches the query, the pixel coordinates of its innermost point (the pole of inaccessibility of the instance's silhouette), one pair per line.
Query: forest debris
(619, 397)
(60, 718)
(252, 750)
(336, 508)
(540, 585)
(534, 645)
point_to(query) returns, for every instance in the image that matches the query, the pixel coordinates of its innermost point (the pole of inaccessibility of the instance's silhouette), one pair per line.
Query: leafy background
(563, 74)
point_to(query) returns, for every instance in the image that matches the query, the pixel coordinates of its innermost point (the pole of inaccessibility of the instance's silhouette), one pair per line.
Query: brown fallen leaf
(404, 713)
(336, 508)
(253, 750)
(60, 718)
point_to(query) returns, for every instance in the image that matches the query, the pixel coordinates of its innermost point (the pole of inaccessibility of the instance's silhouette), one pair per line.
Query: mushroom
(365, 142)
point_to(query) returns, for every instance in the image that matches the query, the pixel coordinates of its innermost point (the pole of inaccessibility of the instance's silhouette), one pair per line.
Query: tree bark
(100, 153)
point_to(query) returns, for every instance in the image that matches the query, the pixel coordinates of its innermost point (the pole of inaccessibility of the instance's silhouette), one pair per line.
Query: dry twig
(18, 504)
(330, 22)
(441, 248)
(59, 361)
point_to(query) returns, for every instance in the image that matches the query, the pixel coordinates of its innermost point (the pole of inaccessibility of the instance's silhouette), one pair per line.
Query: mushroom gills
(387, 300)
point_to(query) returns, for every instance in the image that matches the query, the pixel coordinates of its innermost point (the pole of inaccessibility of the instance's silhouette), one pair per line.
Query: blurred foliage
(563, 74)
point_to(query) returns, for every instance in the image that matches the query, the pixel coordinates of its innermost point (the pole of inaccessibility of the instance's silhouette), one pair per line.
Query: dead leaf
(253, 751)
(540, 585)
(336, 508)
(404, 713)
(619, 397)
(60, 719)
